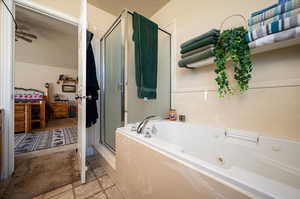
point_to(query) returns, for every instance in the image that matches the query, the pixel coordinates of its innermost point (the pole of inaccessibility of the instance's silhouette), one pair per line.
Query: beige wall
(70, 7)
(53, 47)
(271, 106)
(35, 76)
(98, 20)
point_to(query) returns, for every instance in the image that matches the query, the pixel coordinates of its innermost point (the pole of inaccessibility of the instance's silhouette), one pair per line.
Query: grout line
(120, 192)
(215, 90)
(113, 185)
(73, 191)
(98, 180)
(103, 175)
(74, 162)
(96, 194)
(43, 194)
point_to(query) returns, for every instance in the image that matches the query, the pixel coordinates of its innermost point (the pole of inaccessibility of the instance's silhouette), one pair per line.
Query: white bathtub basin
(260, 166)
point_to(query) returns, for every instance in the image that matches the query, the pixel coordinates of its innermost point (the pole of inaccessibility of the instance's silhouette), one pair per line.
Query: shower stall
(119, 102)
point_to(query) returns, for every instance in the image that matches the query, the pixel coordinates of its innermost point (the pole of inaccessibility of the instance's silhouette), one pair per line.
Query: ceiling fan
(23, 33)
(20, 28)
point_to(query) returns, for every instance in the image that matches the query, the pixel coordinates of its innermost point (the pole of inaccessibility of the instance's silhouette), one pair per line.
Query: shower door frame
(123, 20)
(120, 20)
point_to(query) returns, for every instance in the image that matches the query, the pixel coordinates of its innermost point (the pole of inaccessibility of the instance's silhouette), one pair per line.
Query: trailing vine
(232, 45)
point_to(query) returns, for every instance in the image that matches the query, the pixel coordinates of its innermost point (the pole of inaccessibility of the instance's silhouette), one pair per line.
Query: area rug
(28, 142)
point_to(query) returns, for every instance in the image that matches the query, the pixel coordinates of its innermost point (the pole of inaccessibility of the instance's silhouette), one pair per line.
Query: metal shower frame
(123, 20)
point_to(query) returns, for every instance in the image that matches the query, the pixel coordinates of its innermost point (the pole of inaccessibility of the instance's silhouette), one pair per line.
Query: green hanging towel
(145, 37)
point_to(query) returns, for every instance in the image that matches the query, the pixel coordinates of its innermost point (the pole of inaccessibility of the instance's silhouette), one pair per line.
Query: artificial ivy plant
(232, 45)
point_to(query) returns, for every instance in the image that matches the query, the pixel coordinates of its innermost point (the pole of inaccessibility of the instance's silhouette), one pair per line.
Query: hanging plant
(232, 45)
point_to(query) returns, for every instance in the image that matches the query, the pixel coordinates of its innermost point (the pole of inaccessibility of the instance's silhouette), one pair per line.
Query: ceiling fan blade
(27, 34)
(23, 38)
(22, 26)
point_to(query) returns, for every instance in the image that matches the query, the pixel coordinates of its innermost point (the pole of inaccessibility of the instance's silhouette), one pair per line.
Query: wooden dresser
(27, 113)
(22, 117)
(60, 110)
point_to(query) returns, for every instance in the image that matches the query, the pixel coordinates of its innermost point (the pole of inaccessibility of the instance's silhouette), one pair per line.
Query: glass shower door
(113, 86)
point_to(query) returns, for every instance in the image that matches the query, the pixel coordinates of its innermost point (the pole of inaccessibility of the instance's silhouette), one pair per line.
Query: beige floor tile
(113, 193)
(57, 191)
(86, 190)
(100, 171)
(90, 176)
(106, 181)
(65, 195)
(76, 184)
(100, 195)
(94, 163)
(39, 197)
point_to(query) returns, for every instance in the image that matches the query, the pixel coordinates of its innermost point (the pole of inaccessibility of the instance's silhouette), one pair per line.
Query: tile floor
(99, 186)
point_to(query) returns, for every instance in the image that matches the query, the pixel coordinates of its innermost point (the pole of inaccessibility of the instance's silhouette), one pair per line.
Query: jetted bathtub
(185, 161)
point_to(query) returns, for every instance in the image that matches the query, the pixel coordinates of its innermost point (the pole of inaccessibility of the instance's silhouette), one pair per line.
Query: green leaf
(232, 44)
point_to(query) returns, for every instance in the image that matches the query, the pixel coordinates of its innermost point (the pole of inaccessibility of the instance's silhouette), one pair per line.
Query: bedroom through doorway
(46, 79)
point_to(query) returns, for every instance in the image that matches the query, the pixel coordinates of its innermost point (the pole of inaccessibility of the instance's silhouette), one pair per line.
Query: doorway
(7, 79)
(46, 82)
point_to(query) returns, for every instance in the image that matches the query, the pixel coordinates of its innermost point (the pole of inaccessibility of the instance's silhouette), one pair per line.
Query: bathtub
(187, 161)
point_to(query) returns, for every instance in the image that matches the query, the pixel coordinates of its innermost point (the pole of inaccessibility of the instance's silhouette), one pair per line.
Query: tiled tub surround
(182, 160)
(270, 106)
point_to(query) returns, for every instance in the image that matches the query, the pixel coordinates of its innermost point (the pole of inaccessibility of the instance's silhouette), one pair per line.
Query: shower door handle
(120, 86)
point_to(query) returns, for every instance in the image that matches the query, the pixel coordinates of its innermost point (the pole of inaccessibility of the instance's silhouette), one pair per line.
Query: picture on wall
(68, 88)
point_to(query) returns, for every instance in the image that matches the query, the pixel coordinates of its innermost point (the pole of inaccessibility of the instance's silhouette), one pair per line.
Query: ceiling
(145, 7)
(56, 44)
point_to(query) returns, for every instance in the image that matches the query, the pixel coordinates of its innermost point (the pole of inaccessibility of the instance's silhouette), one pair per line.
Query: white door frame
(81, 92)
(7, 72)
(6, 90)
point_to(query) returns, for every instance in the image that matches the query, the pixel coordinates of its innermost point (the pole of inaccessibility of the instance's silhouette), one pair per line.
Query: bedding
(22, 94)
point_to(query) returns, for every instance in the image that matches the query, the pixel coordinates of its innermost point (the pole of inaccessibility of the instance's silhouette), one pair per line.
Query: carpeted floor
(28, 142)
(41, 174)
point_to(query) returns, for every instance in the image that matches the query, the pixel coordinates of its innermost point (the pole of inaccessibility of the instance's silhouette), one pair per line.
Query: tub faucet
(144, 123)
